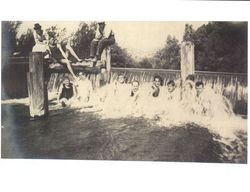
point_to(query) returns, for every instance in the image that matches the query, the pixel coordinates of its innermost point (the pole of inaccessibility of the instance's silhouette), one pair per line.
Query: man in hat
(41, 40)
(100, 42)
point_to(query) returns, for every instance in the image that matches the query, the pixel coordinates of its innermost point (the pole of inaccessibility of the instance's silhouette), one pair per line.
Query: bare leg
(72, 52)
(93, 47)
(64, 61)
(102, 44)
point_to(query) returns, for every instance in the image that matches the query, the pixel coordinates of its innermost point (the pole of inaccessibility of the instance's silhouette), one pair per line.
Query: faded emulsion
(164, 107)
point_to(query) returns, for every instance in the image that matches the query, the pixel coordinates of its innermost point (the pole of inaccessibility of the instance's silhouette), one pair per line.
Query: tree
(120, 57)
(169, 56)
(220, 46)
(25, 43)
(9, 39)
(145, 63)
(83, 37)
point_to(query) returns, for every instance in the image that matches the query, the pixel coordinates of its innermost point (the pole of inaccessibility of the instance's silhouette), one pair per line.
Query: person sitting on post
(66, 92)
(41, 40)
(100, 42)
(60, 50)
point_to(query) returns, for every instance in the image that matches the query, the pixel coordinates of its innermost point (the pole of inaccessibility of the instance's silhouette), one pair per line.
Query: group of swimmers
(154, 99)
(58, 48)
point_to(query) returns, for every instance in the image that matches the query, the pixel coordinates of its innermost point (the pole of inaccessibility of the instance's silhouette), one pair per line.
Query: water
(121, 128)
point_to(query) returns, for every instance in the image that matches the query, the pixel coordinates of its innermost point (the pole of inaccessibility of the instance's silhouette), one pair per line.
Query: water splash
(115, 101)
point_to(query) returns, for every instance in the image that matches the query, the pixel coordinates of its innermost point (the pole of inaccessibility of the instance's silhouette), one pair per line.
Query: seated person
(100, 42)
(84, 88)
(41, 40)
(60, 51)
(157, 82)
(66, 92)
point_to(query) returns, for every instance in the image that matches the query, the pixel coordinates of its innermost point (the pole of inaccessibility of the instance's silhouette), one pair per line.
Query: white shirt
(105, 34)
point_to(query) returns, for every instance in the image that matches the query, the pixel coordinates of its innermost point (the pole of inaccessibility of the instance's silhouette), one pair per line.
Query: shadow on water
(69, 134)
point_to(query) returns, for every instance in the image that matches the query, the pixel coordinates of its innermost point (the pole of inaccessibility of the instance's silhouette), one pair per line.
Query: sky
(140, 38)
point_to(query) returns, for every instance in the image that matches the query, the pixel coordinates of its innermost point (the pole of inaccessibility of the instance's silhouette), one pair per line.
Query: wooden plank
(63, 69)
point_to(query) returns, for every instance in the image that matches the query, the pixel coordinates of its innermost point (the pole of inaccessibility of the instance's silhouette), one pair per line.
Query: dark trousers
(97, 47)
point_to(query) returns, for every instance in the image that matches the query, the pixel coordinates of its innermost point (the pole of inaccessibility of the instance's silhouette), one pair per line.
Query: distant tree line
(219, 46)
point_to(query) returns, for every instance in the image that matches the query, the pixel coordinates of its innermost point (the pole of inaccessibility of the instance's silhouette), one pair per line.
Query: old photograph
(173, 91)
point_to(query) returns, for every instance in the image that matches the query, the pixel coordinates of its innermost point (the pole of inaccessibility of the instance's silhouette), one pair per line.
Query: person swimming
(157, 82)
(172, 92)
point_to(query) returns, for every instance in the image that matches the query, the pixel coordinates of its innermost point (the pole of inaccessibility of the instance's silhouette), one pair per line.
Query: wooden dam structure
(39, 73)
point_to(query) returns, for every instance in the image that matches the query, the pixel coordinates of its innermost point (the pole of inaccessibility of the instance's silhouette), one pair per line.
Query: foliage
(25, 43)
(121, 58)
(220, 46)
(83, 37)
(9, 32)
(169, 56)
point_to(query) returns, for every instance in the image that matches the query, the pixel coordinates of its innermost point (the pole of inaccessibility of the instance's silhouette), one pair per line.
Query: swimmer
(172, 92)
(157, 82)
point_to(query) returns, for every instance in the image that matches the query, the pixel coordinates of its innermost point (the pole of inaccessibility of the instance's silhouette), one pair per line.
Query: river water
(93, 134)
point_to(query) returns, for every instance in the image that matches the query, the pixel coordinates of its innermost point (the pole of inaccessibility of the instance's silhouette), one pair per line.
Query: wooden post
(187, 59)
(187, 62)
(37, 88)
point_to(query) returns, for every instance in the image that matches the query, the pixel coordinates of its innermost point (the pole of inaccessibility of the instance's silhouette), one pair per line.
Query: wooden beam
(63, 69)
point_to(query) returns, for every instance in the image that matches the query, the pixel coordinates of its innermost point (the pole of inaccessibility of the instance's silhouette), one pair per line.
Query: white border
(66, 175)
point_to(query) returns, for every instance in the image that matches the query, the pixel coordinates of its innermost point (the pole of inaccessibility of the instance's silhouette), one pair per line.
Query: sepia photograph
(172, 91)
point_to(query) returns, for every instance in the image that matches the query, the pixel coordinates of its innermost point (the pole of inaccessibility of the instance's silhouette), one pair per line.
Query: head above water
(190, 77)
(199, 86)
(171, 86)
(135, 85)
(188, 85)
(121, 78)
(157, 80)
